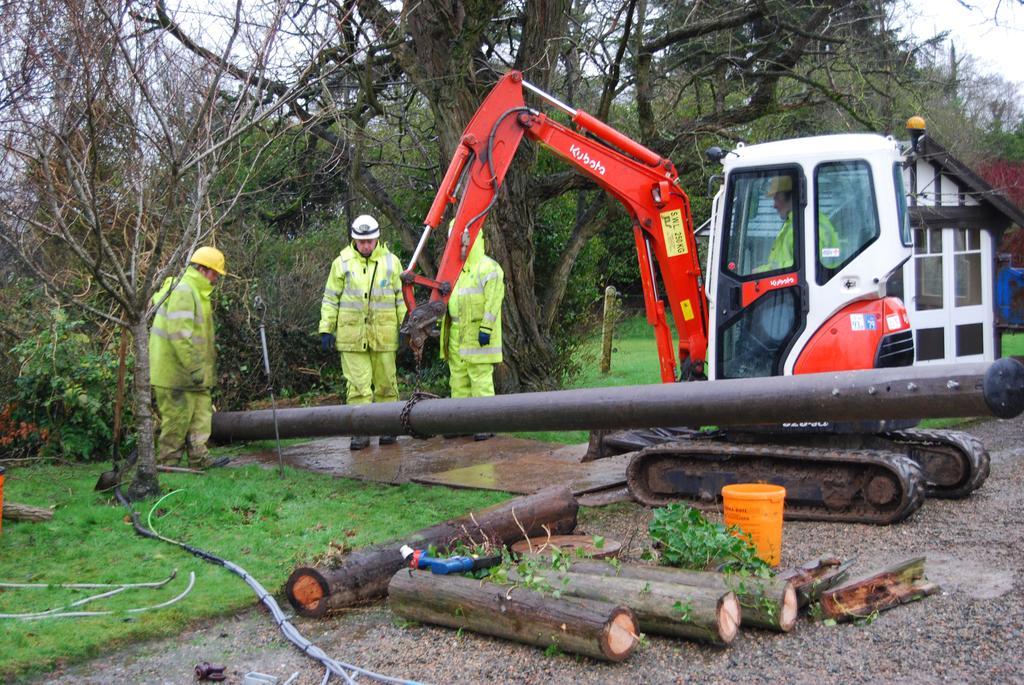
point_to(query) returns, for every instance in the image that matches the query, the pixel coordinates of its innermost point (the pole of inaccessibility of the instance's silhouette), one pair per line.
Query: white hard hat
(365, 227)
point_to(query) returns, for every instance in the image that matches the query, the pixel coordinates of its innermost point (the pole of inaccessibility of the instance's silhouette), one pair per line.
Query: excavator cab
(805, 236)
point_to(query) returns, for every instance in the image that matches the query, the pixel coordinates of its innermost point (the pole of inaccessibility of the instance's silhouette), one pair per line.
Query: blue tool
(420, 558)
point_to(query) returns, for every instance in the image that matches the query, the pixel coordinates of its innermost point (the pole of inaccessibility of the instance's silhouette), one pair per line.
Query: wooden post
(600, 630)
(609, 317)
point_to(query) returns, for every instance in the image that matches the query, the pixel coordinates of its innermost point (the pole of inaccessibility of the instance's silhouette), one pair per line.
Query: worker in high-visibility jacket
(183, 360)
(471, 329)
(360, 315)
(781, 255)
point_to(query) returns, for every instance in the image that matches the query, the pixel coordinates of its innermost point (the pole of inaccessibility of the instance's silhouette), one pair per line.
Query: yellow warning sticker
(687, 310)
(675, 237)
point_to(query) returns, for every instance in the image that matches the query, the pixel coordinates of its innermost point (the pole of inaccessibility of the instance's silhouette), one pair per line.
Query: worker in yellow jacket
(183, 360)
(471, 329)
(360, 315)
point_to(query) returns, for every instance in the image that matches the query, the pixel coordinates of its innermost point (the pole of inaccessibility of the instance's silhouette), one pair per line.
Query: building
(949, 282)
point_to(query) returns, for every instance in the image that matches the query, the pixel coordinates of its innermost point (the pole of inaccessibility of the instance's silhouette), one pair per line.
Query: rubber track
(970, 450)
(786, 460)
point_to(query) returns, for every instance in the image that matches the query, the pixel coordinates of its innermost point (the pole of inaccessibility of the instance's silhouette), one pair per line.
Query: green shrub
(65, 387)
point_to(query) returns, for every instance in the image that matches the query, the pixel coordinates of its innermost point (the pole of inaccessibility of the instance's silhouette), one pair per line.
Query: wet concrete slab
(502, 463)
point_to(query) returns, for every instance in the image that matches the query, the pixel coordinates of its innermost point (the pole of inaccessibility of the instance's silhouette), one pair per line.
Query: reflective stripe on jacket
(181, 339)
(363, 305)
(475, 305)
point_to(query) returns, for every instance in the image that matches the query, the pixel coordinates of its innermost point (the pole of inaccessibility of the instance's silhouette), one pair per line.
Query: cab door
(760, 302)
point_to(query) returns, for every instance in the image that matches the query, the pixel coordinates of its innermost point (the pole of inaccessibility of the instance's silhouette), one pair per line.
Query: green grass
(249, 515)
(634, 362)
(1013, 344)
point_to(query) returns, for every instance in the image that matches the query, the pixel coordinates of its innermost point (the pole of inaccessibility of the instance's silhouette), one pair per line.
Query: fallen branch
(23, 512)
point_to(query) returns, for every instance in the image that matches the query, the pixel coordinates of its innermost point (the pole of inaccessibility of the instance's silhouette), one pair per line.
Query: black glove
(484, 338)
(326, 342)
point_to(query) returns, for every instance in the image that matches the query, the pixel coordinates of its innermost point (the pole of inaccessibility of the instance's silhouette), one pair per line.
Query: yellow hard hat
(211, 258)
(780, 184)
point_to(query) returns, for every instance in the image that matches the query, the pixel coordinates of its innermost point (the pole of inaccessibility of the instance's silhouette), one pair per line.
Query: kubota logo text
(585, 159)
(782, 282)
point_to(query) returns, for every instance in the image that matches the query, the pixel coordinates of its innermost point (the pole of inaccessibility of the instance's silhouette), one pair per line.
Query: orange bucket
(756, 508)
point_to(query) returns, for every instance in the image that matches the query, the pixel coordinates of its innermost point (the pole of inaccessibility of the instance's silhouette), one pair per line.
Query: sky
(997, 45)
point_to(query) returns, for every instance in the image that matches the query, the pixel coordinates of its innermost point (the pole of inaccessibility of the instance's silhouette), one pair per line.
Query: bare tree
(113, 139)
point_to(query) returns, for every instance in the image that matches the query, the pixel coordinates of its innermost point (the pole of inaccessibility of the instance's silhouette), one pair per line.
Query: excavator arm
(642, 181)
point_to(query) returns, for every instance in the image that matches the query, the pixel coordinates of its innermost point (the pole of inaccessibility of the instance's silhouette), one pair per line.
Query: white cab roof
(813, 149)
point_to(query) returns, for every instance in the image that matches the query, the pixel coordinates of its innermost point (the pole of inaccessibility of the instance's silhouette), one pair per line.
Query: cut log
(364, 574)
(599, 630)
(23, 512)
(814, 577)
(768, 603)
(878, 591)
(695, 613)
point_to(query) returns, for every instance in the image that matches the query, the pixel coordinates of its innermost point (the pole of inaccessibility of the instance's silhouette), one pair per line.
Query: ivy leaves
(688, 540)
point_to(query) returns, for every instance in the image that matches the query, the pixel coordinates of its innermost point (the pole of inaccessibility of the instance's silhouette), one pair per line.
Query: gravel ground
(973, 631)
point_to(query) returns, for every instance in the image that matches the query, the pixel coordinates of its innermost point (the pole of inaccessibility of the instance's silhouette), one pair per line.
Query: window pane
(967, 272)
(931, 344)
(928, 283)
(901, 204)
(974, 240)
(970, 339)
(761, 235)
(934, 241)
(752, 345)
(920, 241)
(847, 220)
(959, 240)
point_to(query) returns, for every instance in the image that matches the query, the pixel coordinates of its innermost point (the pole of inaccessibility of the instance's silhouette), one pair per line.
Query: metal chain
(417, 396)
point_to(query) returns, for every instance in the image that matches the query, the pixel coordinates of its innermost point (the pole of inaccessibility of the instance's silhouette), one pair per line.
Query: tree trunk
(364, 574)
(860, 599)
(764, 602)
(599, 630)
(694, 613)
(145, 483)
(23, 512)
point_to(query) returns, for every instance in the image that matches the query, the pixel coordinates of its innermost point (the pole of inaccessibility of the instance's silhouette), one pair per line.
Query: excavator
(804, 237)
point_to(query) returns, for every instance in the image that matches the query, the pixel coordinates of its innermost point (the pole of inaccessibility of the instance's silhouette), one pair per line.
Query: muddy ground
(973, 631)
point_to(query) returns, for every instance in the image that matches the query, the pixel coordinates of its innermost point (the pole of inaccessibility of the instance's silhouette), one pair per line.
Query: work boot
(388, 439)
(217, 463)
(359, 442)
(480, 437)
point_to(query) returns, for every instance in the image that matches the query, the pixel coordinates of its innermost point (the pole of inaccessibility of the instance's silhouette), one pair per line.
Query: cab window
(847, 218)
(761, 236)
